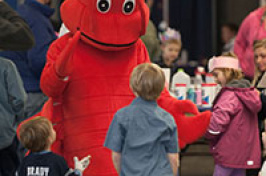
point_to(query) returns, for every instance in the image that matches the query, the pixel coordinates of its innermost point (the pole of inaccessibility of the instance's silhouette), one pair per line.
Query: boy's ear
(50, 140)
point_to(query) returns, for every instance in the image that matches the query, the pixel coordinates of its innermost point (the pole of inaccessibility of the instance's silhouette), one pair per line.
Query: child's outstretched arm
(174, 162)
(116, 157)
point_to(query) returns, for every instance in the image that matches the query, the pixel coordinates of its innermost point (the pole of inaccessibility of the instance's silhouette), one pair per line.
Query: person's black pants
(9, 161)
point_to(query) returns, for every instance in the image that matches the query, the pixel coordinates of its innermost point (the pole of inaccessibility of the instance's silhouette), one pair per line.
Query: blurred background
(199, 21)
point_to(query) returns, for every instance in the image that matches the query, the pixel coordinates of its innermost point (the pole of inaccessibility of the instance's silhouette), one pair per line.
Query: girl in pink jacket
(233, 130)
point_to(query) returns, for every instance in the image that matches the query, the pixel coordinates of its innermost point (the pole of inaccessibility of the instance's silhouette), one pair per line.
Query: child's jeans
(225, 171)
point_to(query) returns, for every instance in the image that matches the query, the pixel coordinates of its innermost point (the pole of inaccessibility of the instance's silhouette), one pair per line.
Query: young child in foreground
(233, 130)
(37, 135)
(143, 136)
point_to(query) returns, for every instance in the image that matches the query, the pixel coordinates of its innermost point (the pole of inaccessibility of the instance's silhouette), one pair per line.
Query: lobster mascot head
(106, 24)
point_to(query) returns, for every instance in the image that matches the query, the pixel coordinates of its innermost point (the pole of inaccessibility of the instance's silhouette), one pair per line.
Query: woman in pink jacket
(252, 28)
(233, 129)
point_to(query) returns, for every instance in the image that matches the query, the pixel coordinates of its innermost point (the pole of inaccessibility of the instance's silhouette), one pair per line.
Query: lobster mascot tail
(87, 75)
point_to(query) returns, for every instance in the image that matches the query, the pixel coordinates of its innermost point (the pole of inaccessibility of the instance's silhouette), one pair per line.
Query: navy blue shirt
(143, 133)
(45, 164)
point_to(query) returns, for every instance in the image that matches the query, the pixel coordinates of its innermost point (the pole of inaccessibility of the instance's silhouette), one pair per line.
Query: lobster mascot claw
(87, 75)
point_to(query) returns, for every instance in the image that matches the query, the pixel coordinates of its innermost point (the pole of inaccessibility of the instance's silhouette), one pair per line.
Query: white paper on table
(167, 76)
(262, 83)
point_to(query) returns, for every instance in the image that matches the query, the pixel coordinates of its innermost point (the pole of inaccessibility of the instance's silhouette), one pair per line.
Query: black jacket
(262, 113)
(15, 34)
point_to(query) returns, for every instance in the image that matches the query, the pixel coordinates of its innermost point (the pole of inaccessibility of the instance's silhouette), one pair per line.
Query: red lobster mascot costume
(87, 79)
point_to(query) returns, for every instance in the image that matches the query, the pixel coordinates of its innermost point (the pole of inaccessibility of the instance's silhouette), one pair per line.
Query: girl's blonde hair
(231, 73)
(258, 44)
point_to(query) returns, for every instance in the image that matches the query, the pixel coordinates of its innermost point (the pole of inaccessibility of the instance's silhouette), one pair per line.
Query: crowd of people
(143, 137)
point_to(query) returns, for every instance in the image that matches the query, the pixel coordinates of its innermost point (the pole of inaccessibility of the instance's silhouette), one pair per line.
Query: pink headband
(223, 62)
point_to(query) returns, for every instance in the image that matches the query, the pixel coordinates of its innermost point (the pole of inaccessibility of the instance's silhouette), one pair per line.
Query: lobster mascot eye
(87, 79)
(128, 6)
(103, 6)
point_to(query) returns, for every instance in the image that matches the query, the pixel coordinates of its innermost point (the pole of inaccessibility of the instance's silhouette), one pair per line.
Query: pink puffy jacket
(233, 131)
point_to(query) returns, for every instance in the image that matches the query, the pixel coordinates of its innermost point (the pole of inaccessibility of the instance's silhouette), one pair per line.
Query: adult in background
(150, 38)
(151, 41)
(229, 31)
(30, 63)
(260, 68)
(15, 34)
(252, 28)
(12, 102)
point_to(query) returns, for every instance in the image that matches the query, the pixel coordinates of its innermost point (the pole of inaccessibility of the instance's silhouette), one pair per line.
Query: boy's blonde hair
(34, 134)
(231, 73)
(147, 80)
(258, 44)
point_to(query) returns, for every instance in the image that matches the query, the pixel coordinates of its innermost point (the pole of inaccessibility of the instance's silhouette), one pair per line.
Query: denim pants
(225, 171)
